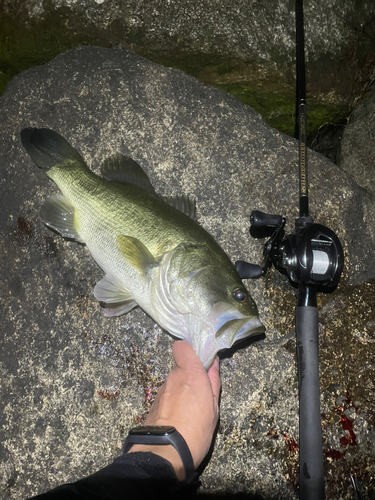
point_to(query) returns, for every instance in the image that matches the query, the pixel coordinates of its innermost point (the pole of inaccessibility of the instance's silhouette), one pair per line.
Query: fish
(153, 252)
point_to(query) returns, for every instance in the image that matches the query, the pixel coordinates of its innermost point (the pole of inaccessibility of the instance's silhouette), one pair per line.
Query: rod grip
(310, 431)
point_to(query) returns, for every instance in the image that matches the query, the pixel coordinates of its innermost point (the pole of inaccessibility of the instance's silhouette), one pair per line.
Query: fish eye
(239, 295)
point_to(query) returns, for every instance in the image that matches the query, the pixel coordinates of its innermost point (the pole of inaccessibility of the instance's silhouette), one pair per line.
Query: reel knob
(260, 219)
(247, 270)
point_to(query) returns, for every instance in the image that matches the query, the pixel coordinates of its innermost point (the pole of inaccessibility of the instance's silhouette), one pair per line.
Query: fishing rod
(312, 257)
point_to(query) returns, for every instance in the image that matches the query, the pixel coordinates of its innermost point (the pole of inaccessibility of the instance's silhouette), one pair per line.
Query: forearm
(139, 475)
(167, 452)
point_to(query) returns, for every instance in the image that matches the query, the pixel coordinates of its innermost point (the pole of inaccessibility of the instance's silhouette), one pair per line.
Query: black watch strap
(162, 435)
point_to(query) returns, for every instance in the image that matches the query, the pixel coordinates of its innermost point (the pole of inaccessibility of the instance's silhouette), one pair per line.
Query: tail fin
(47, 148)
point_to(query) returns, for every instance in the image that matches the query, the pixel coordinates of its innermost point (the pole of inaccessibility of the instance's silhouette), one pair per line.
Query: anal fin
(58, 214)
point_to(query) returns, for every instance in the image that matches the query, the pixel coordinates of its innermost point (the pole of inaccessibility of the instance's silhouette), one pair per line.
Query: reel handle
(259, 219)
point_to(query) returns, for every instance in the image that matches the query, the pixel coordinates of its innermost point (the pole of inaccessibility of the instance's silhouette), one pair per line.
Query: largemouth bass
(152, 251)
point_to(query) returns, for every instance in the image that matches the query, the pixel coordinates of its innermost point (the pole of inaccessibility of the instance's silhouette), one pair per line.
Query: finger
(185, 356)
(214, 376)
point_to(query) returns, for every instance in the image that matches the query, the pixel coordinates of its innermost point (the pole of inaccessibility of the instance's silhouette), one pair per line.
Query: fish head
(213, 308)
(226, 311)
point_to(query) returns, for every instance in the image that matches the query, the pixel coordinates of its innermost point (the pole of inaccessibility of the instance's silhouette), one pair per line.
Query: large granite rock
(242, 30)
(73, 381)
(357, 144)
(247, 47)
(356, 155)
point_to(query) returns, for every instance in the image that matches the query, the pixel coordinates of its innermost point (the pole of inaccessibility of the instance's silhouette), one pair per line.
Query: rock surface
(243, 30)
(356, 154)
(247, 47)
(357, 144)
(73, 381)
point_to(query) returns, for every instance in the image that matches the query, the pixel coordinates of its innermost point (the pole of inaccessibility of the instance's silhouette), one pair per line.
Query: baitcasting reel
(313, 259)
(312, 256)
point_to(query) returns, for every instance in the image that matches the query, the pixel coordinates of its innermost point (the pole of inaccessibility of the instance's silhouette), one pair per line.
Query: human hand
(188, 401)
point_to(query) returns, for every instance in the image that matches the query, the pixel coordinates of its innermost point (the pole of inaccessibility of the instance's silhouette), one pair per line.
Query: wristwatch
(162, 435)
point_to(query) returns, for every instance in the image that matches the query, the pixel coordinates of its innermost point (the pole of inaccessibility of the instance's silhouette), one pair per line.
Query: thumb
(214, 376)
(185, 357)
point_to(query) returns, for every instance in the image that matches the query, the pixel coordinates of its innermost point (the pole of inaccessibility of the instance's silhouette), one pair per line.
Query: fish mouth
(223, 328)
(238, 329)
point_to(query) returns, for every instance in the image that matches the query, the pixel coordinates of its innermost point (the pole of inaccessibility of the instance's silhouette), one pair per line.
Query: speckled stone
(73, 382)
(357, 152)
(249, 30)
(357, 144)
(226, 42)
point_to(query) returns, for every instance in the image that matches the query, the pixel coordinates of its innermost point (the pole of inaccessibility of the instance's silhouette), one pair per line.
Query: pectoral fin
(117, 299)
(58, 214)
(135, 253)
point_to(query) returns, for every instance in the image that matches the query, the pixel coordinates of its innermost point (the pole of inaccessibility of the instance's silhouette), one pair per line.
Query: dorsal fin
(120, 168)
(184, 204)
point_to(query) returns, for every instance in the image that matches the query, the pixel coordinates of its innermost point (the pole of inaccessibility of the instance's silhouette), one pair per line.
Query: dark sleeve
(132, 476)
